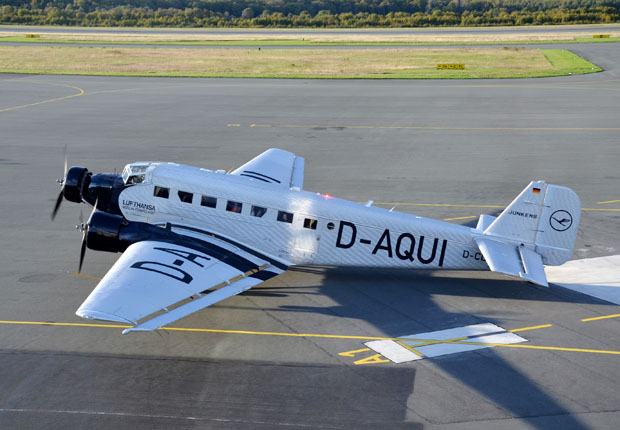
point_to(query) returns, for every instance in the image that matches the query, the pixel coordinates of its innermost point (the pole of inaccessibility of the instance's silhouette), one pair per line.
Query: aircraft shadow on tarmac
(401, 302)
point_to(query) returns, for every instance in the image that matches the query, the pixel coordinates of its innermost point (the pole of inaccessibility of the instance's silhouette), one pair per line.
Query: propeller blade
(62, 182)
(85, 233)
(57, 205)
(65, 155)
(82, 251)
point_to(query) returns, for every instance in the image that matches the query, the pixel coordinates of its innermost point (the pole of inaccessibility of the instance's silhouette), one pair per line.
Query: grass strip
(300, 42)
(291, 63)
(568, 62)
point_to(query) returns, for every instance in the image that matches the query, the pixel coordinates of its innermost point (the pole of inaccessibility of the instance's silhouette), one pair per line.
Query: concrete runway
(465, 144)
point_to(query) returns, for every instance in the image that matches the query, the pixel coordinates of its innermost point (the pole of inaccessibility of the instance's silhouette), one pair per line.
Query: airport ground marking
(412, 349)
(548, 348)
(600, 209)
(80, 93)
(328, 336)
(352, 353)
(461, 217)
(438, 205)
(224, 331)
(536, 327)
(49, 323)
(372, 360)
(608, 201)
(450, 205)
(600, 318)
(82, 275)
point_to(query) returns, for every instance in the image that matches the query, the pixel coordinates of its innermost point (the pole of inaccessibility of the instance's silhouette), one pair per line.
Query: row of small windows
(232, 206)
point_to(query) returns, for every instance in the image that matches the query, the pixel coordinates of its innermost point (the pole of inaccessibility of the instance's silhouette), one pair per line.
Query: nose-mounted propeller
(72, 183)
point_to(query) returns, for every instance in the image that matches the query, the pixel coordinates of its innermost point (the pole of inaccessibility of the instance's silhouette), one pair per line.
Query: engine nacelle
(113, 233)
(75, 180)
(103, 232)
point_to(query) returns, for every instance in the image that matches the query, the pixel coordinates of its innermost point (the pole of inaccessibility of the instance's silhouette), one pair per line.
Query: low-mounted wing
(155, 283)
(275, 166)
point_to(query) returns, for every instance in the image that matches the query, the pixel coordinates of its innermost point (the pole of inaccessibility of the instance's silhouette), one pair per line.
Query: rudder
(558, 227)
(544, 218)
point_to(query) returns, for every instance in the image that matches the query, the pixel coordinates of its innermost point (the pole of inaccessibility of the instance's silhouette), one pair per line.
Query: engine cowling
(75, 180)
(103, 232)
(113, 233)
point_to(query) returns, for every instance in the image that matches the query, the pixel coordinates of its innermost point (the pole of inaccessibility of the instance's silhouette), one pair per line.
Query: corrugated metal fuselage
(346, 234)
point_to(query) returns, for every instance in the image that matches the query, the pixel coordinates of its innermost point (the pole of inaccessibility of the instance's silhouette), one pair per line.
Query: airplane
(191, 237)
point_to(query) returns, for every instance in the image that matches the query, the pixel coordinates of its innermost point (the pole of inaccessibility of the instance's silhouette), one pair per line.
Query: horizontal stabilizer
(513, 260)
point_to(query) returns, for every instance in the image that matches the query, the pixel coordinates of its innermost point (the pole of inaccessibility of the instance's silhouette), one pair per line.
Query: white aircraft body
(192, 237)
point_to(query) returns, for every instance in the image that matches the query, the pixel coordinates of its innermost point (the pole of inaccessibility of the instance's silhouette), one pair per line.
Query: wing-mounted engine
(113, 233)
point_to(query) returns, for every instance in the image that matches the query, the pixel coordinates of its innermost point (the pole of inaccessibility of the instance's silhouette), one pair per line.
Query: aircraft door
(307, 240)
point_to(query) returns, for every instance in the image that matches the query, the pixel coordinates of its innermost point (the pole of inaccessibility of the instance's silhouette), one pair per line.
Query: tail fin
(542, 220)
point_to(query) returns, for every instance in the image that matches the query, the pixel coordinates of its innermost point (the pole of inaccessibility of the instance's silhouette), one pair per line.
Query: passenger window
(258, 211)
(285, 216)
(185, 197)
(310, 223)
(209, 202)
(161, 192)
(233, 206)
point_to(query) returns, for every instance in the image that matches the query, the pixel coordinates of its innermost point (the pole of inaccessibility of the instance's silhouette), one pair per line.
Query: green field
(396, 63)
(302, 42)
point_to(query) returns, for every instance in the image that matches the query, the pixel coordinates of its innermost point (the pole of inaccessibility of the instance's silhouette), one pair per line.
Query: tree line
(307, 13)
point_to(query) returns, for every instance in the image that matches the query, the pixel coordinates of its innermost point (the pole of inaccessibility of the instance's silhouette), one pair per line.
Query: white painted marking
(451, 333)
(447, 348)
(598, 277)
(453, 348)
(479, 333)
(392, 351)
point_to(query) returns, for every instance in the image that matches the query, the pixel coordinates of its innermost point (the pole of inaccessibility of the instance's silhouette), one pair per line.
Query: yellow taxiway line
(80, 93)
(327, 336)
(536, 327)
(461, 217)
(600, 318)
(450, 205)
(82, 275)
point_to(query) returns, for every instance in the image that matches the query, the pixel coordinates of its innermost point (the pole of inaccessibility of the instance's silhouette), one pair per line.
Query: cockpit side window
(126, 173)
(134, 174)
(135, 179)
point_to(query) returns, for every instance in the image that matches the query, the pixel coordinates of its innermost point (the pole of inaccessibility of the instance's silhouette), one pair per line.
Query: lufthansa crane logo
(561, 220)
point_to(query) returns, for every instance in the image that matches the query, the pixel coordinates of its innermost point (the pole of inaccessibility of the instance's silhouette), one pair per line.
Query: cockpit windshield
(135, 173)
